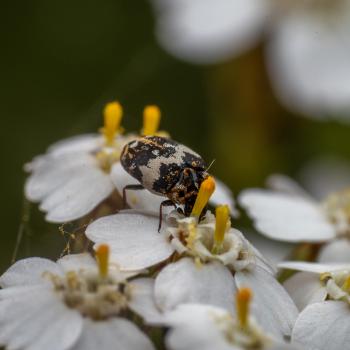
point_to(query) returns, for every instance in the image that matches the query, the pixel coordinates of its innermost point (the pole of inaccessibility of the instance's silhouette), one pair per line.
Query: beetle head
(186, 189)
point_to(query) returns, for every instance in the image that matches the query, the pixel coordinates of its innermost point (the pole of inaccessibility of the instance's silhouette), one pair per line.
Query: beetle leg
(130, 187)
(166, 203)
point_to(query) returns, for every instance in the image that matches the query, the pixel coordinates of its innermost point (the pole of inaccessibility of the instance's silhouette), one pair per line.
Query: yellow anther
(112, 114)
(205, 191)
(346, 285)
(102, 257)
(151, 120)
(243, 299)
(222, 218)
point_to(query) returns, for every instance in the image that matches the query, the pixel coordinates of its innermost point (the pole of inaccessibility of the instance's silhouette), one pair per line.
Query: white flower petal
(196, 327)
(272, 306)
(337, 251)
(273, 251)
(287, 218)
(35, 163)
(39, 321)
(136, 199)
(143, 302)
(285, 184)
(223, 195)
(312, 267)
(133, 239)
(14, 292)
(81, 143)
(53, 172)
(317, 87)
(283, 346)
(78, 196)
(28, 272)
(184, 282)
(305, 288)
(206, 31)
(323, 326)
(254, 254)
(117, 333)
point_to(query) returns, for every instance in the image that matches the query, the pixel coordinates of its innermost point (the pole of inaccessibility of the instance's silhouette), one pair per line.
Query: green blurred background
(61, 61)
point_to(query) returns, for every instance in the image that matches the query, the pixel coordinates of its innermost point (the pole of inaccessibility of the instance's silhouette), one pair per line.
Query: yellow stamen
(205, 191)
(112, 113)
(151, 120)
(102, 257)
(243, 299)
(222, 218)
(346, 285)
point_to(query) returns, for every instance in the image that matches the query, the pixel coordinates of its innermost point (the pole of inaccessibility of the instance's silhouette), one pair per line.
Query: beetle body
(165, 168)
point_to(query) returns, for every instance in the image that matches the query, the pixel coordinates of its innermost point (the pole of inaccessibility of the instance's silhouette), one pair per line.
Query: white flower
(204, 327)
(323, 292)
(316, 282)
(136, 232)
(77, 174)
(71, 304)
(307, 49)
(206, 31)
(206, 262)
(309, 29)
(288, 213)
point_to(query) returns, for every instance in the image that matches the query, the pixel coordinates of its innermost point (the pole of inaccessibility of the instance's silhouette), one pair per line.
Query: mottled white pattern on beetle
(133, 144)
(151, 171)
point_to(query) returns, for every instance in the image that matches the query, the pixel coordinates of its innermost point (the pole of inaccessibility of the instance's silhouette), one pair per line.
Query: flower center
(242, 332)
(337, 284)
(94, 294)
(337, 207)
(210, 240)
(109, 154)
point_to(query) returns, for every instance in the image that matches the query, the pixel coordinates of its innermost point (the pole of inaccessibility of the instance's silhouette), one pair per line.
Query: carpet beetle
(165, 168)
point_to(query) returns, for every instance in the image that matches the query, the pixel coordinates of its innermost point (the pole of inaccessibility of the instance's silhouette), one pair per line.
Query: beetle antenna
(212, 162)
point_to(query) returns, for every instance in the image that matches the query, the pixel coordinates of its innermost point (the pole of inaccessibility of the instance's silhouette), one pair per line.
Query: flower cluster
(287, 212)
(194, 282)
(61, 179)
(305, 53)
